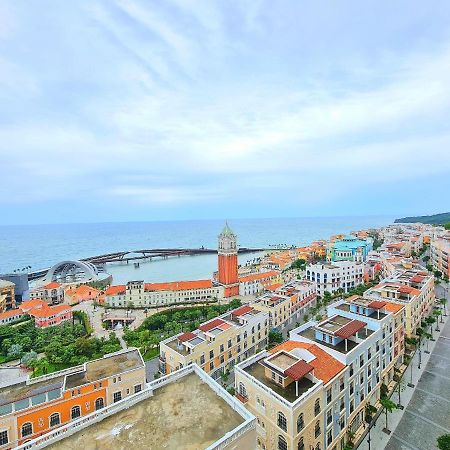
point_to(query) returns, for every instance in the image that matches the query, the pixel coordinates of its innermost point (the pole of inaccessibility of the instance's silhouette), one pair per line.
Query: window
(117, 396)
(211, 365)
(317, 407)
(222, 348)
(54, 420)
(300, 423)
(351, 388)
(342, 404)
(351, 369)
(330, 437)
(301, 444)
(341, 387)
(137, 388)
(329, 417)
(99, 403)
(202, 360)
(242, 390)
(211, 354)
(229, 343)
(361, 360)
(329, 395)
(3, 437)
(317, 429)
(282, 444)
(282, 422)
(75, 412)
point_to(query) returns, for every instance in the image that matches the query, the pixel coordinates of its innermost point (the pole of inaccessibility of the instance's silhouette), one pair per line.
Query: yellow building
(217, 345)
(7, 299)
(440, 255)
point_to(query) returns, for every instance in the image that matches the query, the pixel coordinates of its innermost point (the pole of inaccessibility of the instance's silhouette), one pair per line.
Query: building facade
(255, 283)
(217, 345)
(52, 293)
(7, 297)
(350, 248)
(440, 255)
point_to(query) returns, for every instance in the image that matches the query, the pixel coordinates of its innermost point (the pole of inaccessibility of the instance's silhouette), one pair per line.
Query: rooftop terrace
(185, 414)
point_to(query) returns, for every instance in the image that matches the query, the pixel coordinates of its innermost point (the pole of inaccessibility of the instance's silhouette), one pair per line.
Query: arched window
(301, 444)
(55, 420)
(300, 423)
(99, 403)
(318, 446)
(76, 412)
(27, 429)
(317, 407)
(282, 444)
(282, 422)
(242, 390)
(317, 429)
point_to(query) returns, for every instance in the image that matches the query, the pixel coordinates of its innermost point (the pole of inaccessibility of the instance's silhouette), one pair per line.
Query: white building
(255, 283)
(339, 275)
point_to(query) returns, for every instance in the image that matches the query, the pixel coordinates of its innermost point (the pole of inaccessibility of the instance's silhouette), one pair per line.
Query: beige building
(7, 299)
(440, 254)
(412, 288)
(140, 294)
(52, 293)
(217, 345)
(185, 409)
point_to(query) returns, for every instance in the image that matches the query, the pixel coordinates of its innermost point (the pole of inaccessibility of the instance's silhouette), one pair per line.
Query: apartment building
(339, 275)
(285, 389)
(440, 254)
(217, 345)
(140, 294)
(349, 248)
(7, 297)
(186, 409)
(52, 293)
(277, 307)
(412, 288)
(361, 337)
(34, 407)
(255, 283)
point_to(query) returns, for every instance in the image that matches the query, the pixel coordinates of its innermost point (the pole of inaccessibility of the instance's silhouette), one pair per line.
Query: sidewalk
(379, 439)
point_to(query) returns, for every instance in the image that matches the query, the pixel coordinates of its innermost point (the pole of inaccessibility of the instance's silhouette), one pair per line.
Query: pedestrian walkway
(427, 406)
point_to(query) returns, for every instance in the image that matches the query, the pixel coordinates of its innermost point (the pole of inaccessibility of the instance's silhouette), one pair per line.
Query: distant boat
(136, 265)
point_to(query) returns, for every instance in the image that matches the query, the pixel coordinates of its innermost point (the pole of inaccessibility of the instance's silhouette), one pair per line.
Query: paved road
(428, 414)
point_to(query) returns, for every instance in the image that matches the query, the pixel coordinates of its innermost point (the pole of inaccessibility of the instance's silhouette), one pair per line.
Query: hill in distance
(435, 219)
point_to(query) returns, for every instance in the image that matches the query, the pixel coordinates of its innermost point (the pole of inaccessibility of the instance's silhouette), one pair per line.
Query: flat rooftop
(185, 414)
(257, 370)
(375, 315)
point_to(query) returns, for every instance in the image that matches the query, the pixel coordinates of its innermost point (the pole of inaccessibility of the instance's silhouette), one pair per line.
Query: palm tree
(389, 406)
(443, 302)
(436, 314)
(427, 336)
(430, 321)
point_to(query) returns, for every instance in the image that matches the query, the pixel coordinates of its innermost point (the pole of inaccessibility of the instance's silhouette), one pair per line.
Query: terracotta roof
(30, 304)
(242, 310)
(179, 285)
(298, 370)
(274, 287)
(49, 311)
(393, 307)
(325, 366)
(417, 278)
(258, 276)
(52, 285)
(210, 325)
(10, 313)
(376, 304)
(114, 290)
(186, 337)
(350, 329)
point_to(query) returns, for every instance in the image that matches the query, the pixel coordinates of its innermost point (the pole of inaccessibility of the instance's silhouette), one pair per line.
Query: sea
(41, 246)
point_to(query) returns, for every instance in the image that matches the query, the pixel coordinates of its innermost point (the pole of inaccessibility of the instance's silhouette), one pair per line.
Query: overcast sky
(177, 109)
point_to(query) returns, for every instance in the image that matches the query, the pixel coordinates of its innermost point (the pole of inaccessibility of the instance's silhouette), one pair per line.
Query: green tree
(388, 406)
(275, 337)
(443, 302)
(15, 350)
(438, 274)
(443, 442)
(447, 226)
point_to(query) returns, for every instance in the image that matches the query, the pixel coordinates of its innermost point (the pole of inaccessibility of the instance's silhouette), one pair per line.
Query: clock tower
(228, 262)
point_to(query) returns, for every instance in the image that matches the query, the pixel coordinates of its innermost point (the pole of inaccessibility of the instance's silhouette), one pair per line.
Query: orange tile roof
(35, 303)
(298, 370)
(393, 307)
(49, 311)
(179, 285)
(114, 290)
(11, 313)
(274, 286)
(350, 329)
(52, 285)
(242, 310)
(325, 366)
(258, 276)
(210, 325)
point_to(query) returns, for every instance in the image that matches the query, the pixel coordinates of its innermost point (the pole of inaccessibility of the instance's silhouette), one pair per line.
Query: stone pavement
(427, 405)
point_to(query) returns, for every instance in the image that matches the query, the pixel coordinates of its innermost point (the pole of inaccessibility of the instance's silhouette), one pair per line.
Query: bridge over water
(145, 255)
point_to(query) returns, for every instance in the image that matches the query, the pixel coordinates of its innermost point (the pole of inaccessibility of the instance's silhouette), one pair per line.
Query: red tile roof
(376, 304)
(258, 276)
(114, 290)
(325, 366)
(417, 278)
(298, 370)
(49, 311)
(10, 313)
(350, 329)
(179, 285)
(242, 310)
(210, 325)
(186, 337)
(52, 285)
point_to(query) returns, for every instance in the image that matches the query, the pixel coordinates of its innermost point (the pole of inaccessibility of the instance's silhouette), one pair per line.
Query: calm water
(41, 246)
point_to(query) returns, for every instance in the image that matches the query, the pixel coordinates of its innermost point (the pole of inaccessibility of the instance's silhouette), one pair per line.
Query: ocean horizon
(41, 246)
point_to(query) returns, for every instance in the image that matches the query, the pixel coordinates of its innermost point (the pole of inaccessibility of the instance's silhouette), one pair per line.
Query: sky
(128, 110)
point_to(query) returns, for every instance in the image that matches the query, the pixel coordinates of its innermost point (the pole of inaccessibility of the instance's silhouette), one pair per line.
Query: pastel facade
(255, 283)
(350, 248)
(52, 293)
(7, 297)
(339, 275)
(217, 345)
(228, 262)
(82, 293)
(440, 255)
(142, 295)
(32, 408)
